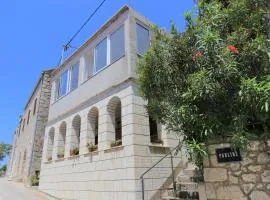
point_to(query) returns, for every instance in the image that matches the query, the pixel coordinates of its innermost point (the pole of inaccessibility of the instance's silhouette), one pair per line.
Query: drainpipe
(34, 133)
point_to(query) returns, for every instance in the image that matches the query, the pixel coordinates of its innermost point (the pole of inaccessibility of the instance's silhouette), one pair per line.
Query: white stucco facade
(109, 172)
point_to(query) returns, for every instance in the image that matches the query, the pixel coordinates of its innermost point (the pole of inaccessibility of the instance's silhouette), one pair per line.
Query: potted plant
(92, 147)
(61, 153)
(116, 143)
(75, 151)
(50, 158)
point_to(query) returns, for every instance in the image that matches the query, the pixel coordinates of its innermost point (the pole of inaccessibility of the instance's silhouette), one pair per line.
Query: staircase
(186, 187)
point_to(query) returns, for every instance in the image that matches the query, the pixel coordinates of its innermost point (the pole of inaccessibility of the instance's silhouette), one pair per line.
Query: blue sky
(32, 33)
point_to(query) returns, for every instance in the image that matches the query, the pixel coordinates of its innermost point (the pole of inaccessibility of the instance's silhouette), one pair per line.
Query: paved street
(10, 190)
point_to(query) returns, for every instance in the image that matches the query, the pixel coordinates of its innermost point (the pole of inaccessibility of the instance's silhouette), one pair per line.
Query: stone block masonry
(247, 179)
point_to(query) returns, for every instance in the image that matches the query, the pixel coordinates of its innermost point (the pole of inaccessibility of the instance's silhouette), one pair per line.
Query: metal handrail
(169, 153)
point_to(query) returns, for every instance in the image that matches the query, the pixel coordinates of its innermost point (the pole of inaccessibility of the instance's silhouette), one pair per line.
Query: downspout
(34, 133)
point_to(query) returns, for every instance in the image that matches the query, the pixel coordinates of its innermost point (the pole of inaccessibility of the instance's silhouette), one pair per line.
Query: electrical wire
(66, 46)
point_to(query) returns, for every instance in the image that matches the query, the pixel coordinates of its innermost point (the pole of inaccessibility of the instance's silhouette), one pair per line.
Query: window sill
(115, 148)
(160, 145)
(91, 153)
(69, 92)
(59, 159)
(48, 162)
(96, 73)
(73, 157)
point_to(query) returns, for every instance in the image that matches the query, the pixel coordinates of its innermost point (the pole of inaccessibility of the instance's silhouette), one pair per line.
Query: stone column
(83, 136)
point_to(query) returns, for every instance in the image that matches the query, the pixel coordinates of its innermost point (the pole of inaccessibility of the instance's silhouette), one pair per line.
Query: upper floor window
(101, 55)
(74, 77)
(143, 39)
(63, 84)
(23, 124)
(35, 107)
(117, 44)
(28, 117)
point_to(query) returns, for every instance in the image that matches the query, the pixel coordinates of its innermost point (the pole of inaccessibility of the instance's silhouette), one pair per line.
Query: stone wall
(247, 179)
(42, 118)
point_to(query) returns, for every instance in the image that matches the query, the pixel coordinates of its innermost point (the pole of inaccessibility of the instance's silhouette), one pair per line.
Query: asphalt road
(10, 190)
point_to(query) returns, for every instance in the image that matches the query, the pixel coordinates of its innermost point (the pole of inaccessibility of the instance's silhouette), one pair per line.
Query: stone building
(25, 158)
(99, 138)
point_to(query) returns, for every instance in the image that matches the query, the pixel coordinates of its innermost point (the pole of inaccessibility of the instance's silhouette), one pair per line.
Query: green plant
(61, 153)
(91, 147)
(197, 152)
(212, 82)
(5, 149)
(75, 151)
(3, 170)
(240, 140)
(49, 158)
(34, 180)
(116, 143)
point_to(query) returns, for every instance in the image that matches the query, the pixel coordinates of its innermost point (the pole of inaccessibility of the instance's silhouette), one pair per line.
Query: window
(23, 125)
(154, 131)
(101, 55)
(28, 117)
(74, 77)
(117, 44)
(63, 84)
(35, 107)
(143, 39)
(88, 64)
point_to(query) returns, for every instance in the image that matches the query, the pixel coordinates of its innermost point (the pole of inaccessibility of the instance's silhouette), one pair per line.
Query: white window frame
(107, 44)
(147, 28)
(109, 53)
(59, 84)
(77, 64)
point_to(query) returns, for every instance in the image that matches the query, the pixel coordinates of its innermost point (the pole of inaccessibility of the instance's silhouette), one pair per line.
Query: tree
(212, 82)
(3, 170)
(4, 150)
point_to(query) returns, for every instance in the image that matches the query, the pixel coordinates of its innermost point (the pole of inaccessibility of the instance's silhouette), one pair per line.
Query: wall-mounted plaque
(228, 155)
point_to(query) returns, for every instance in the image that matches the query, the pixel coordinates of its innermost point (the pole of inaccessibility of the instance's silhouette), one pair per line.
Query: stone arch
(50, 143)
(115, 111)
(76, 132)
(92, 126)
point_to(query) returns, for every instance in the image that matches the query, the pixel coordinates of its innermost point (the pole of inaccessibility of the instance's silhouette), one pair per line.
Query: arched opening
(62, 140)
(50, 144)
(115, 112)
(92, 128)
(75, 136)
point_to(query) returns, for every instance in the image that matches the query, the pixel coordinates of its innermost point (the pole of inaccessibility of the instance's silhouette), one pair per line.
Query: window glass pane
(63, 83)
(89, 64)
(74, 77)
(143, 39)
(117, 44)
(101, 55)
